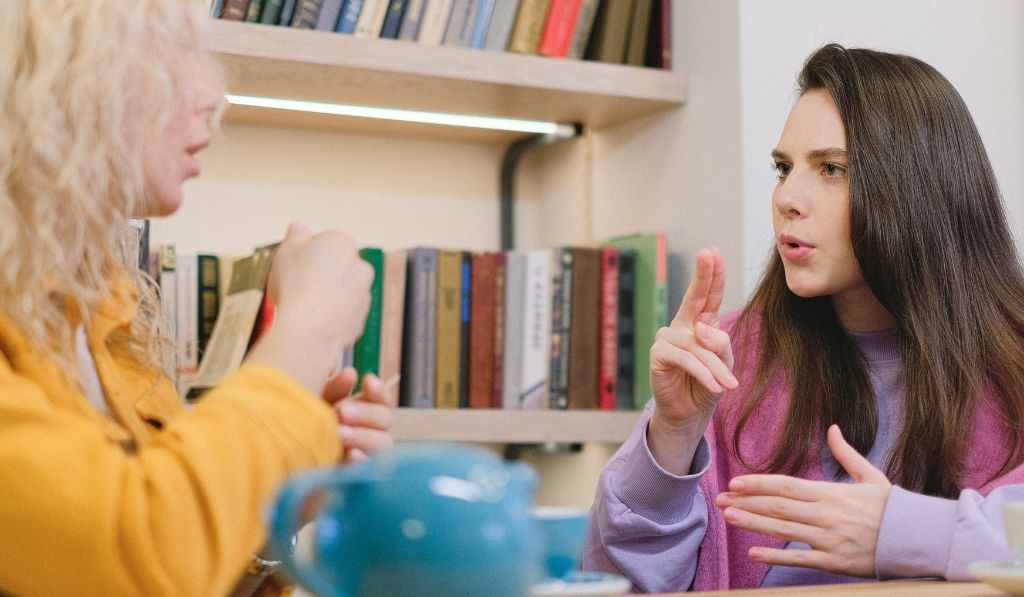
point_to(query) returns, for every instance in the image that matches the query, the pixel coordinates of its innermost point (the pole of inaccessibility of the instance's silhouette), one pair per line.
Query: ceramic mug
(418, 519)
(563, 531)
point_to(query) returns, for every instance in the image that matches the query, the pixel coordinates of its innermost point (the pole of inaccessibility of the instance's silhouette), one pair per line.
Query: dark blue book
(464, 312)
(349, 16)
(393, 20)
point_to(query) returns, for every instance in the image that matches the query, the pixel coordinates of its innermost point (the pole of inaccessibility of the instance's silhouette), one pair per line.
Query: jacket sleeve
(179, 516)
(646, 523)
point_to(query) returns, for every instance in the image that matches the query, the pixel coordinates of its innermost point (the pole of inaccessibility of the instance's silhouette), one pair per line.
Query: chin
(803, 288)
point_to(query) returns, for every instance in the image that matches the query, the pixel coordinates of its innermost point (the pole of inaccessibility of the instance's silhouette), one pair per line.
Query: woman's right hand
(691, 364)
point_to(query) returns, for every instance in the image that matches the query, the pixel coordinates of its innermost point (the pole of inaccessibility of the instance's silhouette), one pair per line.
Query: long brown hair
(931, 237)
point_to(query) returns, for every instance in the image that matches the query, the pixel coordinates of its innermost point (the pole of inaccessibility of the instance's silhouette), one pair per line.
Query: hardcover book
(235, 10)
(500, 27)
(418, 335)
(271, 14)
(481, 23)
(449, 328)
(608, 340)
(584, 330)
(515, 282)
(371, 18)
(367, 347)
(307, 12)
(535, 331)
(639, 28)
(393, 19)
(584, 27)
(434, 22)
(559, 27)
(329, 14)
(625, 361)
(561, 319)
(481, 332)
(460, 22)
(349, 16)
(611, 31)
(411, 20)
(529, 26)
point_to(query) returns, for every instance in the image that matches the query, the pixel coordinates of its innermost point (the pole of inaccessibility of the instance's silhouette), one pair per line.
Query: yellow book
(449, 328)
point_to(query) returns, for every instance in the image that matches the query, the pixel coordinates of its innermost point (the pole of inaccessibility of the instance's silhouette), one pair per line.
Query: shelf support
(510, 163)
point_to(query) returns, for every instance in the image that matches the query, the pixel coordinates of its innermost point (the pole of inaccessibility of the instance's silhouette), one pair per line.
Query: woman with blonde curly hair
(109, 486)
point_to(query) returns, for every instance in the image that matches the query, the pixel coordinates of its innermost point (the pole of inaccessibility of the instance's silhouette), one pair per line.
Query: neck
(859, 311)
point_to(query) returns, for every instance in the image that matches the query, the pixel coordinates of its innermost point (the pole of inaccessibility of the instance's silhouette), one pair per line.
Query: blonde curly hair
(82, 83)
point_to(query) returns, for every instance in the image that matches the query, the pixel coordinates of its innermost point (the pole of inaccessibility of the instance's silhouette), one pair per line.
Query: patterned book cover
(608, 330)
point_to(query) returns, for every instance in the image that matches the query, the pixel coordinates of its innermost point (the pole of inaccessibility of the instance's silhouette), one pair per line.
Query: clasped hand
(364, 419)
(840, 521)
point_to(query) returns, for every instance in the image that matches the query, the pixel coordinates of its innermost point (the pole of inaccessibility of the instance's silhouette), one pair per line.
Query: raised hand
(840, 521)
(691, 363)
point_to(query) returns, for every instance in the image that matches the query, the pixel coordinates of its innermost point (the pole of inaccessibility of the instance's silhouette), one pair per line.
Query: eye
(781, 168)
(833, 170)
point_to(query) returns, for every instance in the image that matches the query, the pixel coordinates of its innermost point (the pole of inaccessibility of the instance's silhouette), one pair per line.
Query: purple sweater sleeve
(923, 536)
(646, 523)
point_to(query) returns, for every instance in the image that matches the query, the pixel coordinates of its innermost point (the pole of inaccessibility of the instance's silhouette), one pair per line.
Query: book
(271, 14)
(500, 27)
(392, 314)
(235, 10)
(481, 23)
(650, 306)
(236, 319)
(584, 27)
(306, 14)
(515, 281)
(611, 31)
(584, 328)
(482, 322)
(434, 22)
(186, 319)
(411, 20)
(419, 328)
(459, 23)
(639, 28)
(659, 39)
(209, 298)
(349, 16)
(464, 311)
(561, 317)
(497, 398)
(252, 15)
(216, 8)
(371, 18)
(167, 281)
(329, 13)
(608, 332)
(534, 370)
(287, 12)
(529, 26)
(393, 19)
(559, 27)
(367, 347)
(449, 328)
(624, 361)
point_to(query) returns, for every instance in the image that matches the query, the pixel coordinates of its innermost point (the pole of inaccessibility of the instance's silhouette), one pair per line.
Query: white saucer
(582, 584)
(1002, 575)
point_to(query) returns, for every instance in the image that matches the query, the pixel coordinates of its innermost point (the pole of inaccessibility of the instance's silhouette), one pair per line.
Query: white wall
(977, 45)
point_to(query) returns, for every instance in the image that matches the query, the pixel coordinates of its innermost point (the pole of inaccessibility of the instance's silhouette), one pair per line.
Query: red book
(481, 332)
(559, 28)
(499, 330)
(607, 363)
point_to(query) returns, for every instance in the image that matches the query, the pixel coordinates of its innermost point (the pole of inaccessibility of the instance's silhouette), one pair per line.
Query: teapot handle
(287, 518)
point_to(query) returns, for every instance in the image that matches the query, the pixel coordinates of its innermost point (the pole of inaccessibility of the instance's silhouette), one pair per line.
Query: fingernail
(723, 500)
(730, 381)
(737, 485)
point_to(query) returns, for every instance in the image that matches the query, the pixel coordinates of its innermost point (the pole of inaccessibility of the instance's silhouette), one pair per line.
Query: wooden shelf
(322, 66)
(512, 426)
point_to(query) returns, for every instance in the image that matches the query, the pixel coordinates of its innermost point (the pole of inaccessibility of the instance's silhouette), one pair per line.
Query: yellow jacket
(160, 502)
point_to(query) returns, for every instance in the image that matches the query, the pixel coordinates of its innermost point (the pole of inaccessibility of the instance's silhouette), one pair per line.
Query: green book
(650, 305)
(367, 349)
(271, 14)
(255, 9)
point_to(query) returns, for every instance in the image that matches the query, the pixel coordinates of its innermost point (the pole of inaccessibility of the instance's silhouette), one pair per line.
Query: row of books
(561, 328)
(620, 31)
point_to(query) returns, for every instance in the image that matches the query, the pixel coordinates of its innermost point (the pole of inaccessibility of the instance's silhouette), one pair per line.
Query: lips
(794, 249)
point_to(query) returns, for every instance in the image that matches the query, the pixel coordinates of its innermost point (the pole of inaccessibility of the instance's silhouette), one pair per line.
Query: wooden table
(902, 588)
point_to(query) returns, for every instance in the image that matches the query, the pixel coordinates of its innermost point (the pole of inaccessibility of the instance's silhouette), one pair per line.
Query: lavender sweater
(649, 524)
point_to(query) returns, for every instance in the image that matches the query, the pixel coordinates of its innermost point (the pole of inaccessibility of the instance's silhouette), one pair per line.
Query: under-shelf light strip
(464, 120)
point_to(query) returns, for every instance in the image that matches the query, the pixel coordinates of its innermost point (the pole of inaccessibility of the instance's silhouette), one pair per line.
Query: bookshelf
(513, 426)
(282, 62)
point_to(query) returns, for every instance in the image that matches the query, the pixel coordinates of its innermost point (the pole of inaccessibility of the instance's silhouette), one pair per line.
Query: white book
(187, 319)
(535, 348)
(434, 22)
(167, 280)
(371, 19)
(515, 282)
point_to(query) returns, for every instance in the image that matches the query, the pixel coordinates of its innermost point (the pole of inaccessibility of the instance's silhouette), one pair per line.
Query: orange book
(481, 332)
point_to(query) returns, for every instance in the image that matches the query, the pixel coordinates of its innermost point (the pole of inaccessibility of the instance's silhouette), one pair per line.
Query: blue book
(349, 16)
(393, 20)
(478, 34)
(217, 8)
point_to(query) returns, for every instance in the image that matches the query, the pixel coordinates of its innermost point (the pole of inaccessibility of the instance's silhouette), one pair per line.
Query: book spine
(329, 13)
(187, 333)
(559, 398)
(307, 13)
(639, 29)
(465, 301)
(515, 271)
(272, 12)
(608, 341)
(209, 298)
(349, 16)
(459, 23)
(410, 28)
(252, 15)
(500, 28)
(529, 26)
(287, 13)
(536, 331)
(371, 18)
(393, 19)
(583, 331)
(481, 23)
(611, 30)
(435, 22)
(235, 10)
(624, 399)
(558, 29)
(367, 351)
(418, 333)
(216, 8)
(449, 328)
(584, 27)
(482, 321)
(497, 396)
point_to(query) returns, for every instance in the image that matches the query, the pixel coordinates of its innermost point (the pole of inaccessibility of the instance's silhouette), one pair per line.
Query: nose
(789, 196)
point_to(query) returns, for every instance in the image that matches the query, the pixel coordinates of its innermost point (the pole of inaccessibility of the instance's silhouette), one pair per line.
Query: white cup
(1013, 523)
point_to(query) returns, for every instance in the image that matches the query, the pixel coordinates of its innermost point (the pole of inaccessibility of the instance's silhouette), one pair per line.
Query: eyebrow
(814, 154)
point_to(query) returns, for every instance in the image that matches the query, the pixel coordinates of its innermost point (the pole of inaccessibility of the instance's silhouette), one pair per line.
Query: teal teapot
(419, 519)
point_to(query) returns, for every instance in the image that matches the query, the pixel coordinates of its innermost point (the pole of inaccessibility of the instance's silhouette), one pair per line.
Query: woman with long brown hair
(863, 415)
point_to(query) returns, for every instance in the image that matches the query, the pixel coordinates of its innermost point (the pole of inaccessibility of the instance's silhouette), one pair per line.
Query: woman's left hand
(840, 521)
(364, 419)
